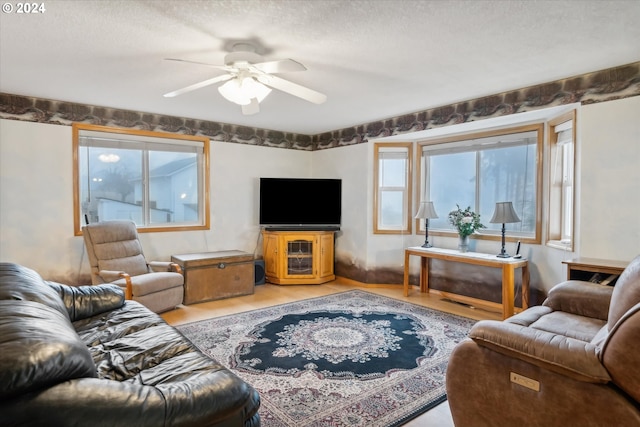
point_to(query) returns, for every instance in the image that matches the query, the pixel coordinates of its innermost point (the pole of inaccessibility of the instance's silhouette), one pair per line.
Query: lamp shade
(504, 213)
(242, 90)
(426, 210)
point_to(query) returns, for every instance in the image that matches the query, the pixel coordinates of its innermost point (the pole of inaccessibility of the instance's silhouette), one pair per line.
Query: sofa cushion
(568, 356)
(38, 348)
(126, 342)
(569, 325)
(559, 323)
(529, 316)
(137, 348)
(38, 345)
(23, 284)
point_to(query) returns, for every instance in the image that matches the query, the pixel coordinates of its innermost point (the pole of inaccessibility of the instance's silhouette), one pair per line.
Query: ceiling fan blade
(220, 67)
(252, 108)
(281, 66)
(292, 88)
(202, 84)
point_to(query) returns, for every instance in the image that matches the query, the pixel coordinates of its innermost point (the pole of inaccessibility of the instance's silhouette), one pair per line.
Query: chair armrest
(582, 298)
(112, 276)
(567, 356)
(165, 266)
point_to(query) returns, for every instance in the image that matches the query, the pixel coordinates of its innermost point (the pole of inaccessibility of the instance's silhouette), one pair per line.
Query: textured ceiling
(373, 59)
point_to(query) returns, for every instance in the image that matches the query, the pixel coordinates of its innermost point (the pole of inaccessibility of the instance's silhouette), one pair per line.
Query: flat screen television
(305, 203)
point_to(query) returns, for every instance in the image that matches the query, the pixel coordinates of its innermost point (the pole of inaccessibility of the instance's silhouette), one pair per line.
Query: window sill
(560, 244)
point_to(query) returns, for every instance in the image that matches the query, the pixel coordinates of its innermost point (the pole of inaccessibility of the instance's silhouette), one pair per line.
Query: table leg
(508, 290)
(406, 273)
(424, 274)
(525, 286)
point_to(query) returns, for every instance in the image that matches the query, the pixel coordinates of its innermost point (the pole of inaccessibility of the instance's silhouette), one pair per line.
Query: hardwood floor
(269, 295)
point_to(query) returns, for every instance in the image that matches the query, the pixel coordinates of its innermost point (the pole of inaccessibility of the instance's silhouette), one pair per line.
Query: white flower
(467, 220)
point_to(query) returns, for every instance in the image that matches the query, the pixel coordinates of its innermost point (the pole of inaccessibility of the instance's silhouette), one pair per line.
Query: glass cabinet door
(300, 257)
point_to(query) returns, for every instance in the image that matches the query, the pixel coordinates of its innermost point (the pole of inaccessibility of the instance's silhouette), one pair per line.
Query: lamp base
(427, 245)
(503, 256)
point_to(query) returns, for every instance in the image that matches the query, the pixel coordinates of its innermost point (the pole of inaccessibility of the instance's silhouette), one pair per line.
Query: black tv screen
(300, 202)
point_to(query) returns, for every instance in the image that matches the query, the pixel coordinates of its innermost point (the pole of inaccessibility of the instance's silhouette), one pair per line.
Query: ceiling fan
(249, 79)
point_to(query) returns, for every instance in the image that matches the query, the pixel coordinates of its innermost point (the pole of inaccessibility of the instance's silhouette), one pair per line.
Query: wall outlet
(524, 381)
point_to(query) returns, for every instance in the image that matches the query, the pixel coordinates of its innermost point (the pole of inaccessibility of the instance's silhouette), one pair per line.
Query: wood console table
(508, 266)
(587, 268)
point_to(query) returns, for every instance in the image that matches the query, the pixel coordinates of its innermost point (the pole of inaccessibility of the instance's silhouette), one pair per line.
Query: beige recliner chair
(115, 256)
(574, 361)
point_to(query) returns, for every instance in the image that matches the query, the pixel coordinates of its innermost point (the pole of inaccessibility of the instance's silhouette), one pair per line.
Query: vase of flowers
(463, 243)
(466, 222)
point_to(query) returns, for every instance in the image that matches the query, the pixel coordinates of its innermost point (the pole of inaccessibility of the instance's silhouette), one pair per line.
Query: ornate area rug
(348, 359)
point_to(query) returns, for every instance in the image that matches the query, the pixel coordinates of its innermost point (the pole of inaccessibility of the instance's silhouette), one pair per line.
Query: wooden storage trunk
(216, 275)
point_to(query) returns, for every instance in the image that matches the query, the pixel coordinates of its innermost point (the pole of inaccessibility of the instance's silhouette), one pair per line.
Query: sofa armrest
(38, 348)
(582, 298)
(87, 301)
(567, 356)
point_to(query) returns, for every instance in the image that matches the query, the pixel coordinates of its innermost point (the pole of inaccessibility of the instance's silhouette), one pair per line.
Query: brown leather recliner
(574, 361)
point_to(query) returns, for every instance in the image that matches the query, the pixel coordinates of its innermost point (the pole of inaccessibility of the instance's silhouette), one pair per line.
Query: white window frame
(562, 179)
(83, 134)
(466, 142)
(392, 150)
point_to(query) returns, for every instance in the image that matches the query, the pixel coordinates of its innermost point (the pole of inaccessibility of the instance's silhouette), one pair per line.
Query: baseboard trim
(352, 282)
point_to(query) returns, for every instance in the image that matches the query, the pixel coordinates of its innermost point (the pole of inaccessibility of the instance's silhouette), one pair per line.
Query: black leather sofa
(83, 356)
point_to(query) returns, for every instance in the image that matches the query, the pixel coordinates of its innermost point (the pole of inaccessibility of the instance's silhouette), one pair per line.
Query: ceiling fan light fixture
(249, 79)
(242, 90)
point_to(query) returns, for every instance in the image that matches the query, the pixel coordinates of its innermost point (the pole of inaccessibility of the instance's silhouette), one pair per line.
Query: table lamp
(504, 213)
(426, 211)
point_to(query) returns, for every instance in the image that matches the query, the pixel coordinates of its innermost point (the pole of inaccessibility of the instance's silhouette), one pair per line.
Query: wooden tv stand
(302, 257)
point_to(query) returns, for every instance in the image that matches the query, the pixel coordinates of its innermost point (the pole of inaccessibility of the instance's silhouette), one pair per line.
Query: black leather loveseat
(74, 356)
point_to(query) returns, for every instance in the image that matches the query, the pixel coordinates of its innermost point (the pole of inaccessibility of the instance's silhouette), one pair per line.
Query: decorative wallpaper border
(600, 86)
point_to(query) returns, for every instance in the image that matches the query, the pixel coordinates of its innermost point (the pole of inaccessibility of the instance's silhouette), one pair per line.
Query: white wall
(36, 200)
(610, 177)
(350, 164)
(607, 222)
(235, 183)
(36, 203)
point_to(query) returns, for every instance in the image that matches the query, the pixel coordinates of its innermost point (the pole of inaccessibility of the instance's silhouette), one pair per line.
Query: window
(158, 180)
(561, 181)
(392, 188)
(481, 169)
